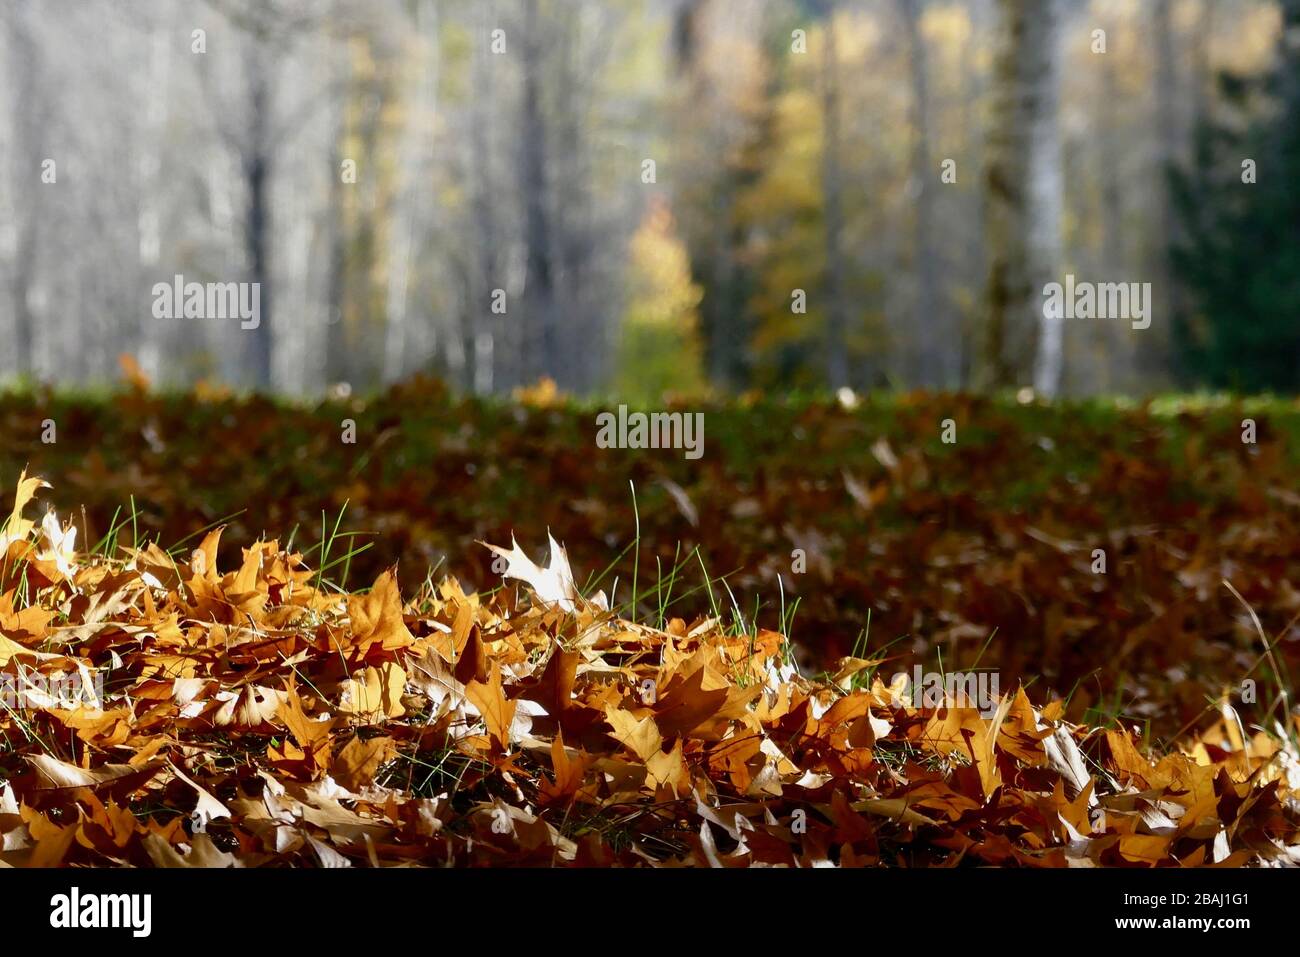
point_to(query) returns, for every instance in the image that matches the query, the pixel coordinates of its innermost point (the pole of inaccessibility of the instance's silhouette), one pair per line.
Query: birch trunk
(1023, 199)
(837, 368)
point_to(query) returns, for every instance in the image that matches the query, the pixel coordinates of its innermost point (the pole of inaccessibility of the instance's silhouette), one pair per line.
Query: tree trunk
(720, 310)
(144, 341)
(935, 339)
(837, 367)
(27, 188)
(486, 272)
(257, 169)
(412, 210)
(974, 255)
(1022, 188)
(1168, 128)
(710, 120)
(335, 363)
(1113, 255)
(540, 282)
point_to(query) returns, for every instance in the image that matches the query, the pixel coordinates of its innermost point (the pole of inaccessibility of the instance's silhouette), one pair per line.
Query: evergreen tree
(1240, 253)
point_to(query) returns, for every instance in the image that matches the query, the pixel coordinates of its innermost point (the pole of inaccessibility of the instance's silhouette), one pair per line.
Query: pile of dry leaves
(257, 716)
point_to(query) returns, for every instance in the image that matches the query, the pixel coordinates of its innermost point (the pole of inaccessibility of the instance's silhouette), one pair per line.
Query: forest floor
(290, 647)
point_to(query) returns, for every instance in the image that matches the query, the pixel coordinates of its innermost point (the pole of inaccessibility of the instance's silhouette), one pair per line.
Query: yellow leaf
(376, 695)
(202, 853)
(668, 768)
(642, 737)
(491, 702)
(16, 527)
(377, 616)
(357, 763)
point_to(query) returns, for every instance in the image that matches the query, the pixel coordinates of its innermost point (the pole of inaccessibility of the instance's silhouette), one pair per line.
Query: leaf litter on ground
(258, 717)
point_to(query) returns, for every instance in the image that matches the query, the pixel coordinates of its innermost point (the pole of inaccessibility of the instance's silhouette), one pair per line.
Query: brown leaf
(491, 702)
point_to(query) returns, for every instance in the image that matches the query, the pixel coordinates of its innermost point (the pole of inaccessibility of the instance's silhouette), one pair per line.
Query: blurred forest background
(639, 196)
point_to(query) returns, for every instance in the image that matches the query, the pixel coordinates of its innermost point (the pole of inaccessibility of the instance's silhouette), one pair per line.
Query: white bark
(413, 211)
(1042, 90)
(1023, 194)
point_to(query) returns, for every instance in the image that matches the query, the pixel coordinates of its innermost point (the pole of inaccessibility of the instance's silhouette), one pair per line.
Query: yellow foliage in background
(660, 350)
